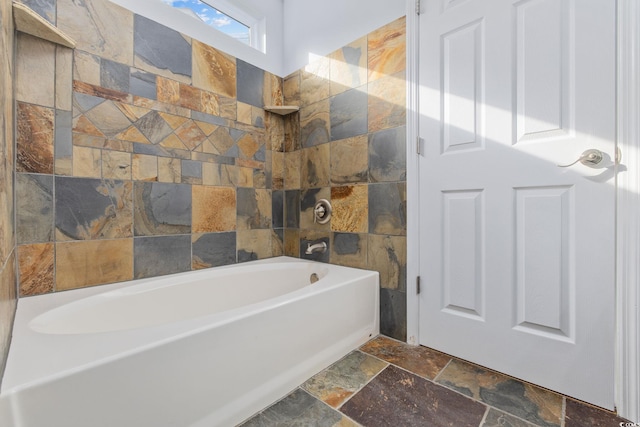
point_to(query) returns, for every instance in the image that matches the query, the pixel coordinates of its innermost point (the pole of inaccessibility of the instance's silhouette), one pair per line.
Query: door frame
(627, 376)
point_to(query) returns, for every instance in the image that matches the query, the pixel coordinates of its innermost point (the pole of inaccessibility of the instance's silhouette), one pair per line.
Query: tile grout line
(435, 379)
(366, 383)
(484, 417)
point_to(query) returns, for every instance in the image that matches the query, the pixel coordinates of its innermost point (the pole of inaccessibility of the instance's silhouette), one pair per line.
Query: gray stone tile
(209, 118)
(88, 209)
(157, 150)
(277, 209)
(85, 102)
(161, 47)
(254, 208)
(388, 209)
(114, 75)
(250, 82)
(393, 314)
(162, 208)
(34, 208)
(387, 155)
(348, 113)
(143, 84)
(497, 418)
(296, 410)
(349, 249)
(213, 249)
(153, 127)
(157, 256)
(44, 8)
(191, 172)
(63, 140)
(292, 208)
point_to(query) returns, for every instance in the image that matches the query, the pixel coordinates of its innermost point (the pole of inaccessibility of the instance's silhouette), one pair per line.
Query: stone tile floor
(389, 383)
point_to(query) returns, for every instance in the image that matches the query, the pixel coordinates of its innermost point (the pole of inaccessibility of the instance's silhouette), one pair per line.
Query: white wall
(320, 27)
(271, 10)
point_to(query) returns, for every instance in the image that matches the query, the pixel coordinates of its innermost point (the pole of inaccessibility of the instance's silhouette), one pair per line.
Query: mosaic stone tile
(221, 141)
(497, 418)
(387, 103)
(143, 84)
(253, 245)
(64, 78)
(388, 208)
(34, 208)
(170, 170)
(531, 403)
(348, 114)
(161, 208)
(299, 409)
(314, 124)
(87, 162)
(254, 208)
(292, 167)
(387, 155)
(387, 50)
(349, 249)
(308, 200)
(213, 70)
(398, 398)
(44, 8)
(34, 137)
(250, 84)
(341, 380)
(312, 237)
(393, 313)
(114, 75)
(160, 255)
(388, 256)
(248, 145)
(579, 415)
(153, 127)
(89, 209)
(292, 242)
(108, 118)
(214, 209)
(145, 168)
(93, 262)
(35, 266)
(98, 27)
(315, 166)
(116, 165)
(35, 70)
(191, 172)
(349, 160)
(292, 208)
(291, 89)
(277, 209)
(86, 67)
(419, 360)
(161, 50)
(213, 250)
(314, 81)
(350, 209)
(349, 66)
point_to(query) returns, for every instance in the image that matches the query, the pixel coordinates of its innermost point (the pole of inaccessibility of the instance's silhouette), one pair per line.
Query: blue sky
(213, 17)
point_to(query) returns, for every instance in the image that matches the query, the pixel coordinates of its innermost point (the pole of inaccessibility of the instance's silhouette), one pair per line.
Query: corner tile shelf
(29, 22)
(283, 110)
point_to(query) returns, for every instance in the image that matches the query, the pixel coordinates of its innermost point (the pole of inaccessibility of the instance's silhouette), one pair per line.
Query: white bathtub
(204, 348)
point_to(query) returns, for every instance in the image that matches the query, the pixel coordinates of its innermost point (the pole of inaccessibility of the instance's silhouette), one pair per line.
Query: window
(224, 17)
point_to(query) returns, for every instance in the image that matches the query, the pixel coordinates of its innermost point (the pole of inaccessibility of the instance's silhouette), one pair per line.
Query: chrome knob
(591, 158)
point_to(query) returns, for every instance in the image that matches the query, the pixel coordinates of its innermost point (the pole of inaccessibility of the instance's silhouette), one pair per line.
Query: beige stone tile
(245, 177)
(350, 209)
(253, 244)
(167, 90)
(64, 78)
(291, 89)
(244, 113)
(145, 168)
(273, 90)
(292, 242)
(169, 170)
(349, 66)
(108, 118)
(349, 160)
(87, 162)
(387, 102)
(102, 28)
(314, 81)
(277, 170)
(35, 70)
(219, 174)
(387, 50)
(93, 262)
(35, 265)
(275, 132)
(292, 166)
(213, 209)
(86, 67)
(315, 166)
(277, 242)
(315, 124)
(388, 256)
(8, 301)
(213, 70)
(116, 165)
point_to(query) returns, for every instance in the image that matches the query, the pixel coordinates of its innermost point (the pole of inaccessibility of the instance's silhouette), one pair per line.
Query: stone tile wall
(7, 229)
(347, 145)
(140, 153)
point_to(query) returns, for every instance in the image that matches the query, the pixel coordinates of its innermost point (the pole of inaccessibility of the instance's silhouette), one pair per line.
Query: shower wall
(348, 145)
(141, 152)
(7, 229)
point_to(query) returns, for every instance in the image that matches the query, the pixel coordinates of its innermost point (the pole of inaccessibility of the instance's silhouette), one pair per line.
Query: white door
(516, 253)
